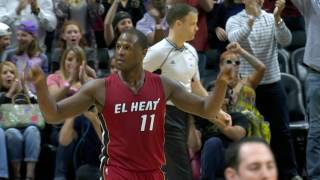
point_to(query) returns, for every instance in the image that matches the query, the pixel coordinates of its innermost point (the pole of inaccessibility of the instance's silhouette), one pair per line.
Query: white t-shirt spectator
(46, 19)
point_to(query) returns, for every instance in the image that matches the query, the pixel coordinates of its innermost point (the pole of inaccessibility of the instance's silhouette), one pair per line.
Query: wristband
(279, 23)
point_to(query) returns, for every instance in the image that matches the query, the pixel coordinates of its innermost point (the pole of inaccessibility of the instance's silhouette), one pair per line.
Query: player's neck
(133, 80)
(175, 39)
(132, 77)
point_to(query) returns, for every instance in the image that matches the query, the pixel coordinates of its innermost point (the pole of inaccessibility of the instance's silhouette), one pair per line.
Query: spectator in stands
(259, 33)
(28, 52)
(250, 158)
(291, 15)
(4, 170)
(194, 146)
(13, 12)
(88, 144)
(112, 66)
(71, 75)
(115, 23)
(85, 12)
(23, 143)
(217, 35)
(5, 35)
(64, 83)
(200, 42)
(216, 24)
(134, 7)
(310, 9)
(153, 24)
(72, 36)
(241, 94)
(177, 60)
(217, 137)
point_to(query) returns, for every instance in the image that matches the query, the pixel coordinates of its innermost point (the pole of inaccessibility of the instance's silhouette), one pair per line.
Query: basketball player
(133, 103)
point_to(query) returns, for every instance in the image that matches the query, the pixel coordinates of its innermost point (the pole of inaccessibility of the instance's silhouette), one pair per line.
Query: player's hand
(224, 117)
(221, 34)
(222, 121)
(86, 73)
(226, 73)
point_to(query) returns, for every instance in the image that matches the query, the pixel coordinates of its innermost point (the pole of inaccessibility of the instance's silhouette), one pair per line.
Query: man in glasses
(260, 33)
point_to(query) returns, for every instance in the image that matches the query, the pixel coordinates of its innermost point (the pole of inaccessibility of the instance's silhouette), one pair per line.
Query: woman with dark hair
(115, 23)
(216, 25)
(135, 8)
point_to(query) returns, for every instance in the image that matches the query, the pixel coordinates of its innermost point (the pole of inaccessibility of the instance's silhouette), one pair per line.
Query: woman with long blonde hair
(63, 83)
(23, 144)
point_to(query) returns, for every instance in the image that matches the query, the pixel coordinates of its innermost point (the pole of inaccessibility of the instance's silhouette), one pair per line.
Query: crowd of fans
(74, 39)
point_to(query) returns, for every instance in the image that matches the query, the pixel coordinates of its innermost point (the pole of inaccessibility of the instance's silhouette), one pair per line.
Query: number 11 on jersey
(144, 119)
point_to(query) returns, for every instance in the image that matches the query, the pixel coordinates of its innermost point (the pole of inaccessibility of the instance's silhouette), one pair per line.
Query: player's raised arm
(54, 111)
(206, 107)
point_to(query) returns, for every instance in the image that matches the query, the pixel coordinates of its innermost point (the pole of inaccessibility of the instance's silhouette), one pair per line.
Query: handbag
(20, 115)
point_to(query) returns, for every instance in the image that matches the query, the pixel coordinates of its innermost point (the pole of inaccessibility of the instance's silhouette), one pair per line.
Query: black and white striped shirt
(261, 41)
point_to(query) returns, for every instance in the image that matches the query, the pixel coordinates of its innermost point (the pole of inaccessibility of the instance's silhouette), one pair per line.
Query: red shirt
(135, 124)
(200, 42)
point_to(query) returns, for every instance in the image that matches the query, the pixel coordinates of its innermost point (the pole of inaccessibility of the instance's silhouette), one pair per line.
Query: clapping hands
(86, 73)
(279, 7)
